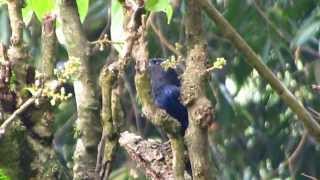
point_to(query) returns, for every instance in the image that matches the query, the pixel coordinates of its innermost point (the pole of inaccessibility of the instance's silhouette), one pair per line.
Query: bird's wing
(167, 95)
(168, 99)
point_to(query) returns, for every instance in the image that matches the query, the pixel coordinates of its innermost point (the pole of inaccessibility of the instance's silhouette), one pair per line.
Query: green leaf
(3, 176)
(83, 6)
(27, 13)
(117, 33)
(40, 7)
(2, 2)
(160, 5)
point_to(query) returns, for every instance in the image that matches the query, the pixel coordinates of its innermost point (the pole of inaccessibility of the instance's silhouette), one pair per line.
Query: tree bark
(88, 129)
(199, 107)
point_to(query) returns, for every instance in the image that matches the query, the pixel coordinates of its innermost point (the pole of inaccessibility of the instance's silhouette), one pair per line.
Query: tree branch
(136, 46)
(199, 107)
(15, 115)
(87, 125)
(255, 61)
(49, 45)
(155, 158)
(111, 116)
(162, 38)
(16, 22)
(17, 52)
(157, 116)
(270, 23)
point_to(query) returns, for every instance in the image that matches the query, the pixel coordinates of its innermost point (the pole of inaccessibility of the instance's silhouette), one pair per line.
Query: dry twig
(15, 115)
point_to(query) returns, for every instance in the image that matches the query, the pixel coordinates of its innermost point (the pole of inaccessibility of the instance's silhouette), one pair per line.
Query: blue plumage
(166, 92)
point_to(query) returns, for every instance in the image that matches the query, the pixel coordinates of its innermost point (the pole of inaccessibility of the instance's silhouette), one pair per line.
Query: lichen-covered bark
(111, 117)
(155, 115)
(87, 124)
(136, 46)
(14, 152)
(17, 52)
(16, 23)
(49, 46)
(42, 116)
(193, 94)
(45, 164)
(38, 120)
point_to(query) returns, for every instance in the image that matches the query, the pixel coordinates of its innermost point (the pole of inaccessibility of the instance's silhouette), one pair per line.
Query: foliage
(3, 175)
(43, 7)
(116, 28)
(83, 6)
(40, 9)
(160, 5)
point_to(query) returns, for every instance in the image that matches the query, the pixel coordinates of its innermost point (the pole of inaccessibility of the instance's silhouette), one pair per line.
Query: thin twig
(15, 114)
(99, 170)
(269, 22)
(96, 46)
(134, 104)
(162, 38)
(314, 113)
(296, 153)
(293, 157)
(102, 43)
(298, 150)
(105, 40)
(308, 176)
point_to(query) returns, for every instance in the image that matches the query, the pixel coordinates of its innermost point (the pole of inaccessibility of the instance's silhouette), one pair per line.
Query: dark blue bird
(166, 91)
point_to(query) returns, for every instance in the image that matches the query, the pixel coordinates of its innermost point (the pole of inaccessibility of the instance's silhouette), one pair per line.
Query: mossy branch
(136, 46)
(157, 116)
(17, 52)
(6, 124)
(111, 117)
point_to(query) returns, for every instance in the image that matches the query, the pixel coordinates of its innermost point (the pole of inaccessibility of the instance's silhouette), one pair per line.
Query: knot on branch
(189, 93)
(203, 113)
(18, 53)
